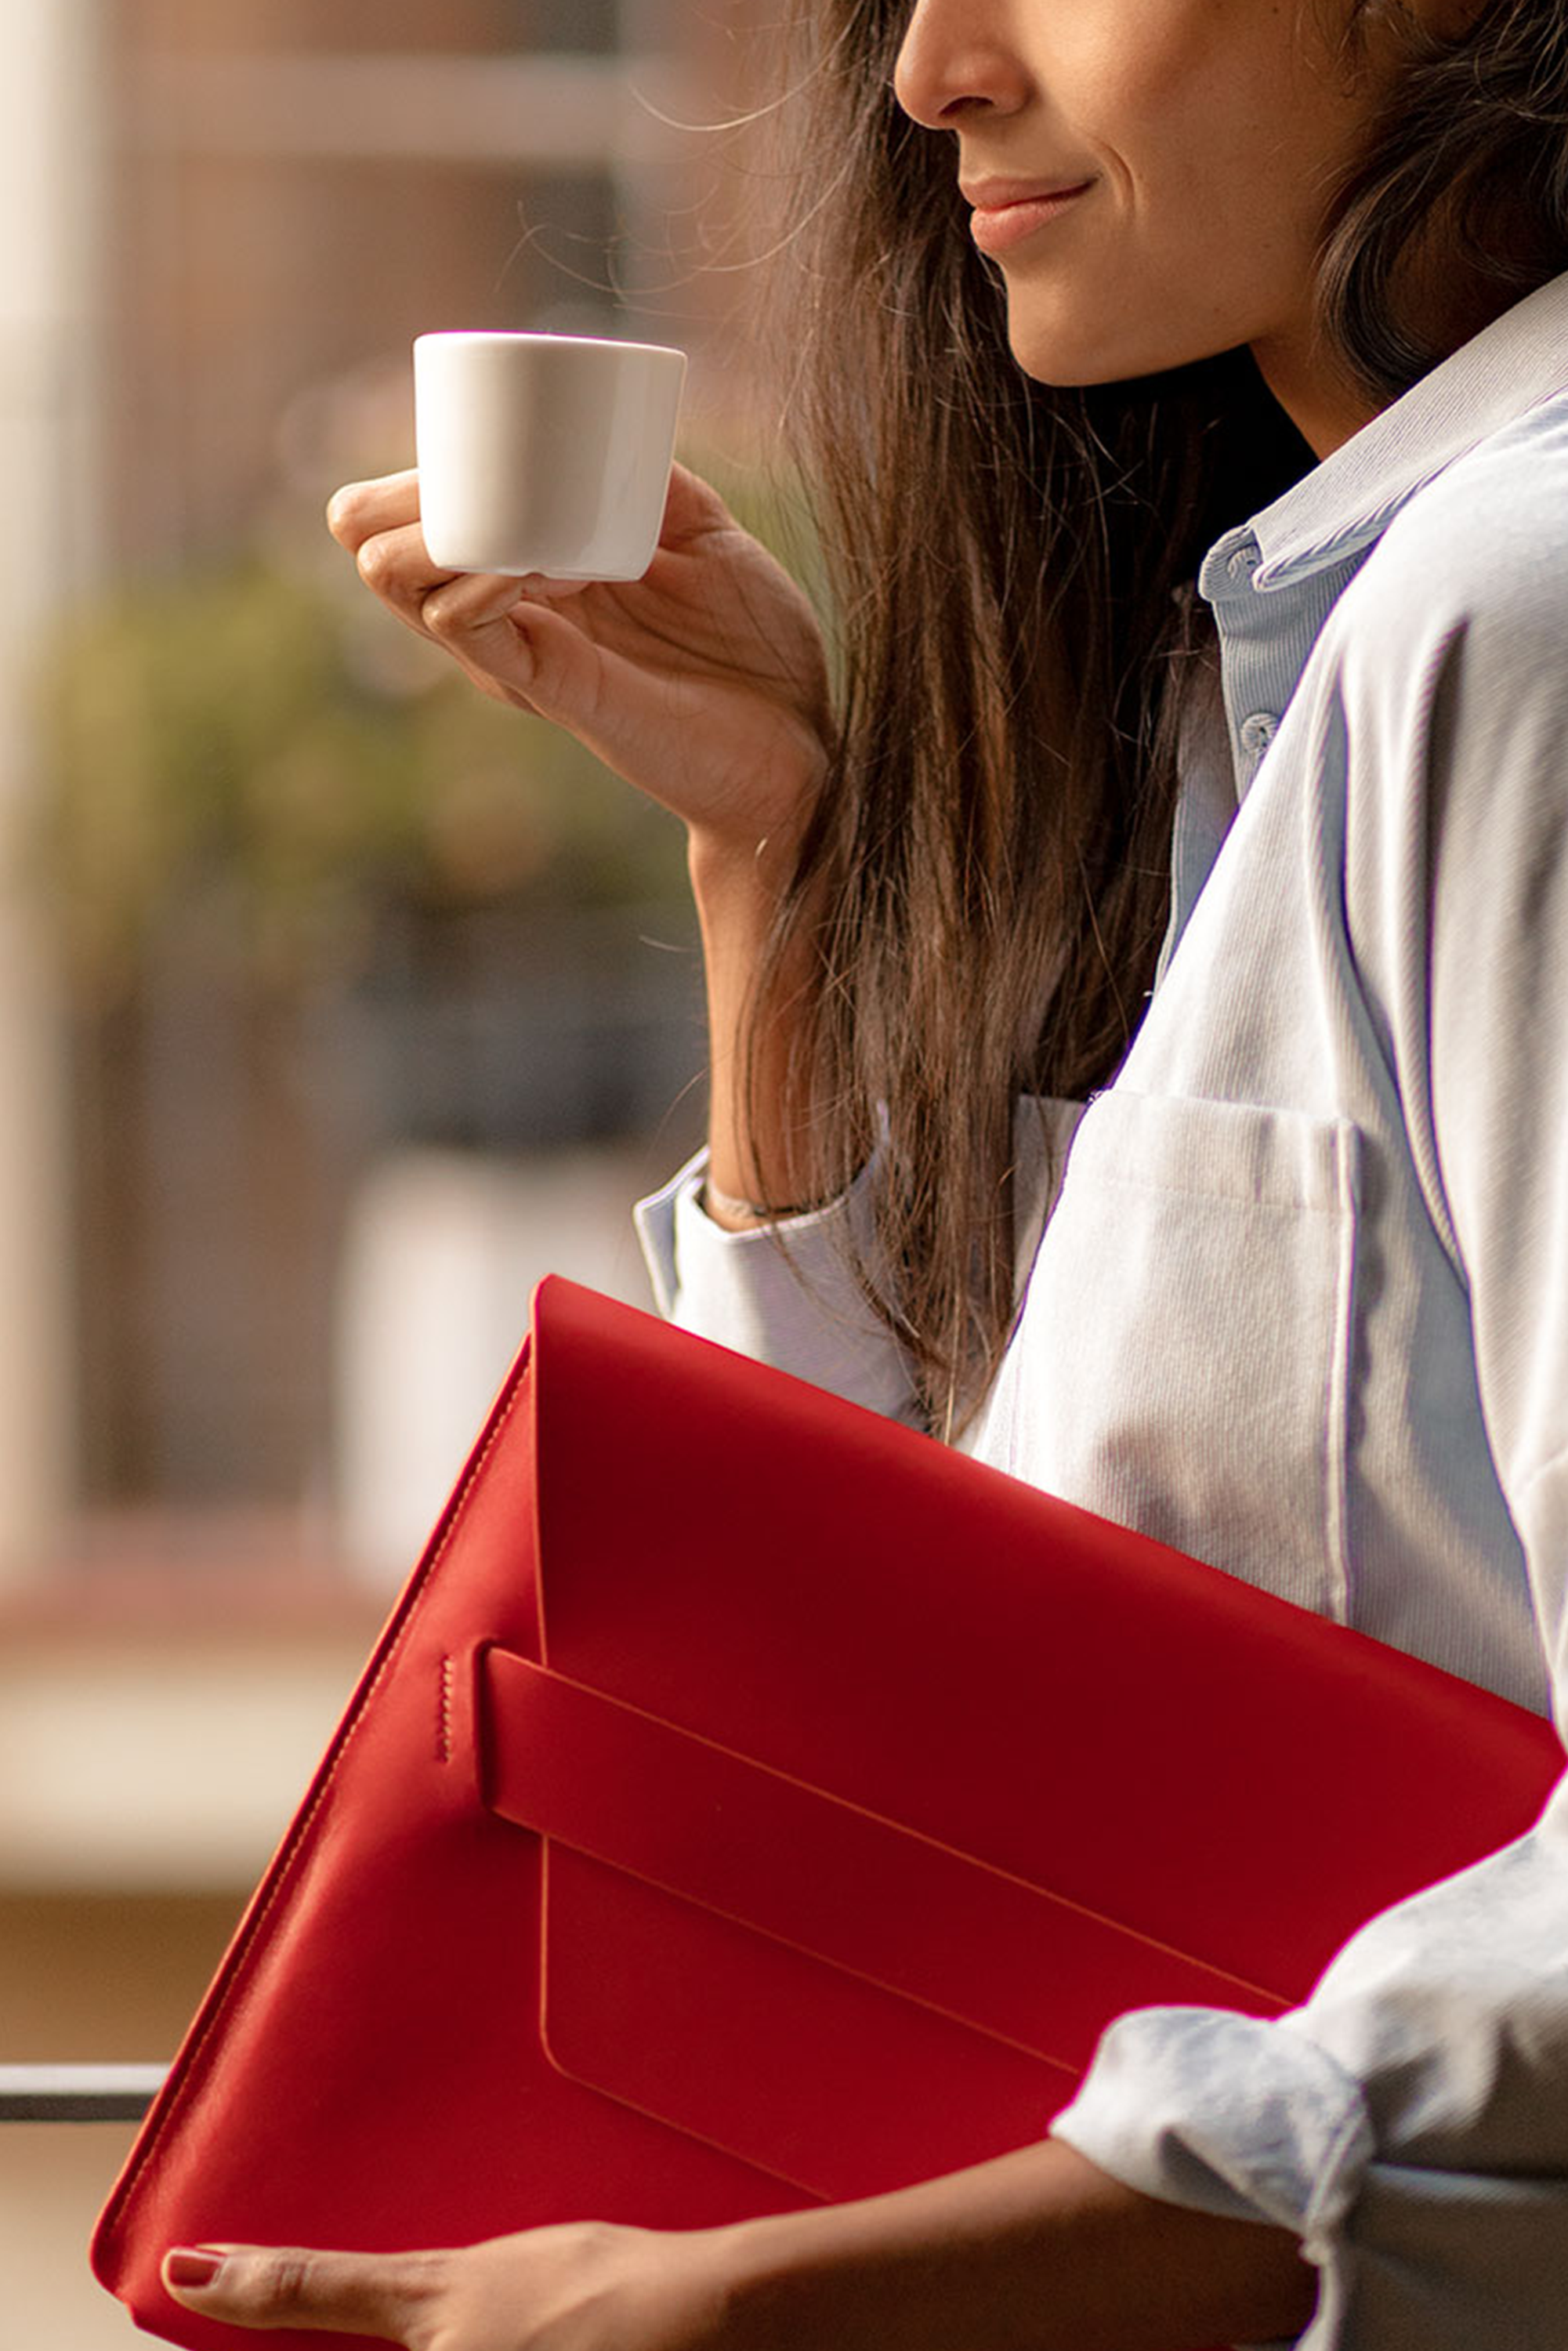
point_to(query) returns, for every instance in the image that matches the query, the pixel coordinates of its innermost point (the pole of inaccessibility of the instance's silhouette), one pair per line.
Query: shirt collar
(1348, 501)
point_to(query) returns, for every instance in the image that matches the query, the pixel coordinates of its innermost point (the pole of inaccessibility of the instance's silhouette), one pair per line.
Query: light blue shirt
(1301, 1307)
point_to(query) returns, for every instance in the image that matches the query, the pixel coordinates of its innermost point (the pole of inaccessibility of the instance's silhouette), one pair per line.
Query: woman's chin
(1071, 352)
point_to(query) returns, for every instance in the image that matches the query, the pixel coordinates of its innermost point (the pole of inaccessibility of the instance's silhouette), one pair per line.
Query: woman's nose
(953, 62)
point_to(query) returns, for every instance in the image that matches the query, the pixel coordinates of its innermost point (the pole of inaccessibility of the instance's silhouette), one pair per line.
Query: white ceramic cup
(544, 453)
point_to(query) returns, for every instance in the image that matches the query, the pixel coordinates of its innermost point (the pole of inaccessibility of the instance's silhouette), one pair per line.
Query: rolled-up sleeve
(1409, 2124)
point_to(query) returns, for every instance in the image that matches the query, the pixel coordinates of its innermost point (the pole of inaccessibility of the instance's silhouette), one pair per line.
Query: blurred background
(336, 1004)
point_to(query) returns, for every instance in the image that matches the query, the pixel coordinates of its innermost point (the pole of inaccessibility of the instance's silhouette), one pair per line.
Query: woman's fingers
(395, 565)
(380, 2294)
(464, 613)
(360, 509)
(488, 625)
(378, 524)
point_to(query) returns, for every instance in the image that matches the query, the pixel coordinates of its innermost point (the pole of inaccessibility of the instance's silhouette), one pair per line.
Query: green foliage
(270, 757)
(244, 748)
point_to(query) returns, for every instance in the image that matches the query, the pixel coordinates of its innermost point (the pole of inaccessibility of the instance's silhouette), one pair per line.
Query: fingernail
(188, 2268)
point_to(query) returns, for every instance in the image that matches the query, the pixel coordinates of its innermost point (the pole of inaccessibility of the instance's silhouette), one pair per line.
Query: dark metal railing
(78, 2094)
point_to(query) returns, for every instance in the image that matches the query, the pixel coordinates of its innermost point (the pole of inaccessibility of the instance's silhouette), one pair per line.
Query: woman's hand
(586, 2287)
(704, 684)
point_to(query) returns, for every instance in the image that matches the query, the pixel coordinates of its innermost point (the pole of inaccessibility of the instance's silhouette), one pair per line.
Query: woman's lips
(1006, 213)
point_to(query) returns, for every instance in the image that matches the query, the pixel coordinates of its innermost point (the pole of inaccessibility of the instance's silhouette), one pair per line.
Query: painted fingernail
(188, 2268)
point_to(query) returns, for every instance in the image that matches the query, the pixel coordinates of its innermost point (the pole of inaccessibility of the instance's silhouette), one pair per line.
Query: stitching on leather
(289, 1861)
(444, 1720)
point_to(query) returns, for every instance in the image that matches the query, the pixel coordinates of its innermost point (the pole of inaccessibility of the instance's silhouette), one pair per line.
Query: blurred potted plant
(319, 900)
(221, 742)
(314, 903)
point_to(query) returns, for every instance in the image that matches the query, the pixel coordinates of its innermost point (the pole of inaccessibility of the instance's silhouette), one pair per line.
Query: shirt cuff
(1229, 2115)
(785, 1294)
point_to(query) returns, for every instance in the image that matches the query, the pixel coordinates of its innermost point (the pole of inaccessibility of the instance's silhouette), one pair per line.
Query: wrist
(763, 1165)
(727, 1208)
(742, 875)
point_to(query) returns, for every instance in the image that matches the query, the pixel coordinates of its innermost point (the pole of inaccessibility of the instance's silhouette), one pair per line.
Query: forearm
(1039, 2251)
(1035, 2251)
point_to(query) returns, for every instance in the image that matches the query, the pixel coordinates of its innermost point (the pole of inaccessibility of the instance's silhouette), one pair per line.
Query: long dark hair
(980, 899)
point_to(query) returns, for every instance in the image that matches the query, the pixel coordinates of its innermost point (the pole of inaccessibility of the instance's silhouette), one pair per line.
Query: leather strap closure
(811, 1870)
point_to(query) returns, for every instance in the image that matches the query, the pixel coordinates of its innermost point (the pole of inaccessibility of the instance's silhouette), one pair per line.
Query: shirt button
(1243, 564)
(1258, 733)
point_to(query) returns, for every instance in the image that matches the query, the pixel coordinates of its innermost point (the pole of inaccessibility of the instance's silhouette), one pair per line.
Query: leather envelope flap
(873, 1782)
(829, 1995)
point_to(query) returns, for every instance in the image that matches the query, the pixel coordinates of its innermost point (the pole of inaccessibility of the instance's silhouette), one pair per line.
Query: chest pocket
(1183, 1360)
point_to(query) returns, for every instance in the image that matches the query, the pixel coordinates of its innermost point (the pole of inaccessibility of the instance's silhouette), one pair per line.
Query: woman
(1299, 1306)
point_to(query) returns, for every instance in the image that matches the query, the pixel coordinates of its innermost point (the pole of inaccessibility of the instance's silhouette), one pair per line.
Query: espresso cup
(544, 453)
